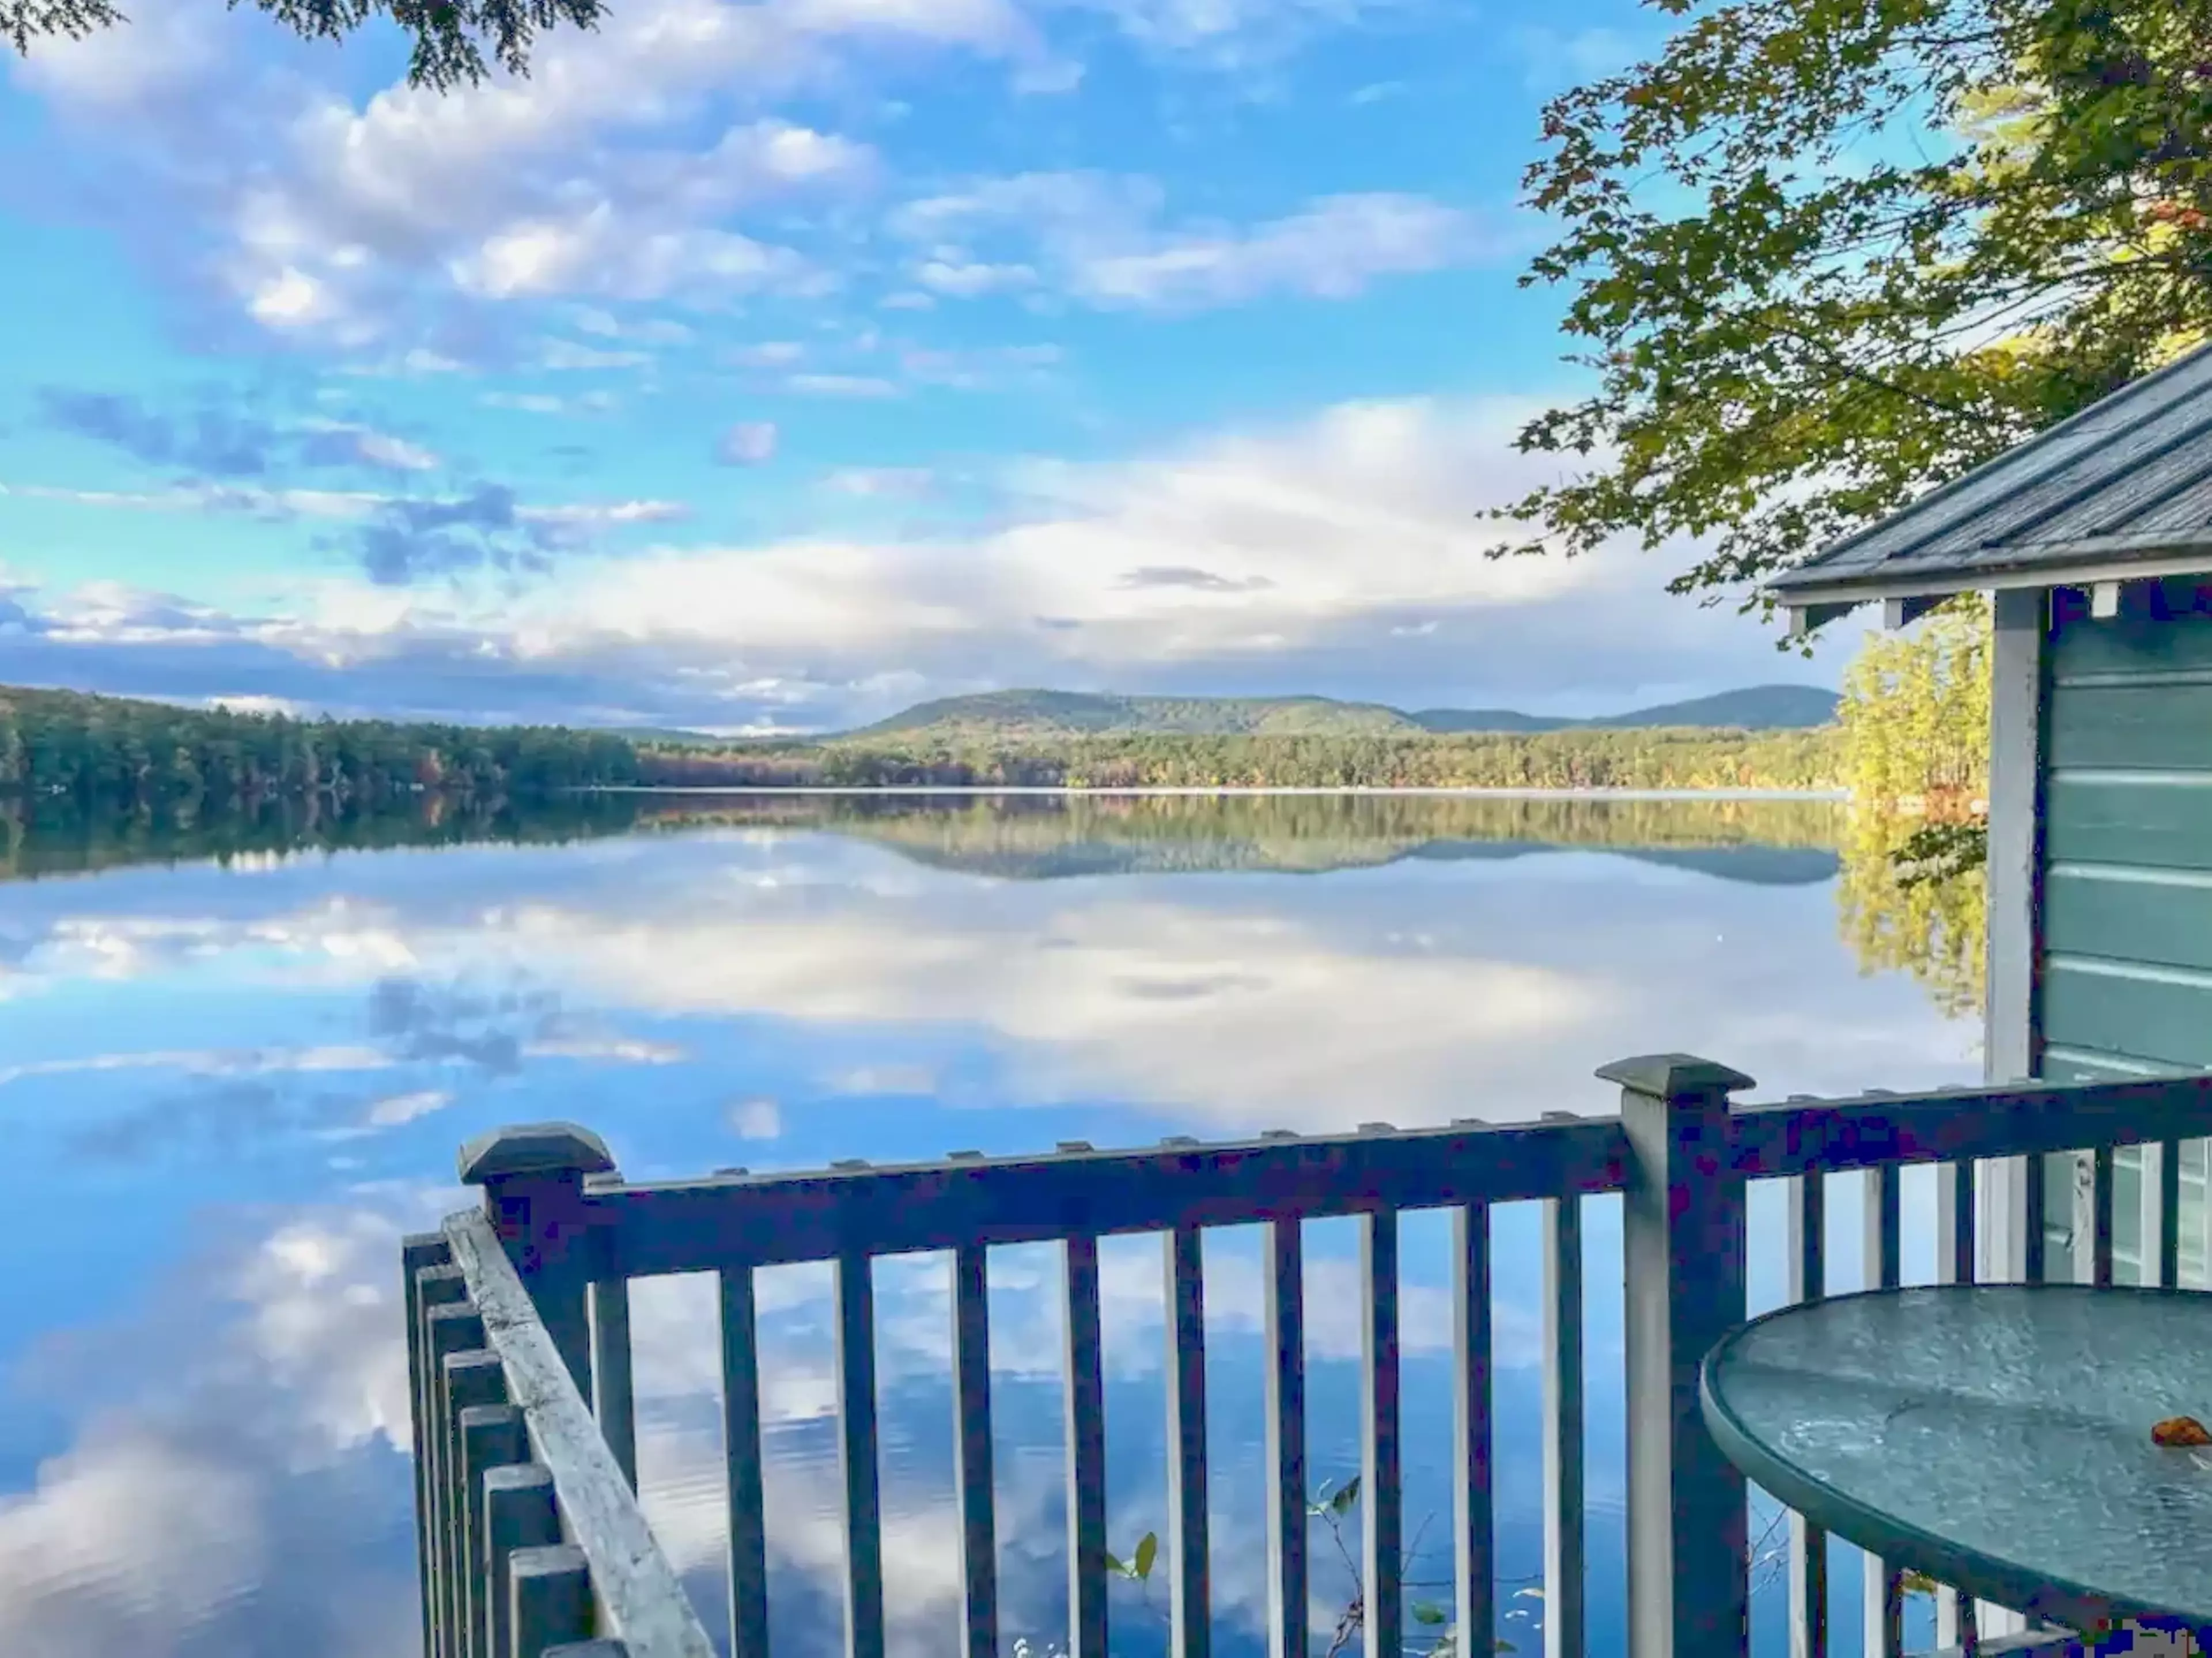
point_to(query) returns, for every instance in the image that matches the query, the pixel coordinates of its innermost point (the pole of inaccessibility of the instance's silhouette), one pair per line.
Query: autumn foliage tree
(1821, 254)
(1915, 723)
(1915, 715)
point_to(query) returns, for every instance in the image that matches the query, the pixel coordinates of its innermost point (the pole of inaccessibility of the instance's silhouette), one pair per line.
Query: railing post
(532, 1175)
(1682, 1237)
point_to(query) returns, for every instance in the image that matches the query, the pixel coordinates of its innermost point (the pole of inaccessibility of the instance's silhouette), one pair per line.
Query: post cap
(1674, 1076)
(533, 1148)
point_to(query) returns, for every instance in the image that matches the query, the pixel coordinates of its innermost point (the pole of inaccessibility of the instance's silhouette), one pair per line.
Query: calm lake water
(229, 1086)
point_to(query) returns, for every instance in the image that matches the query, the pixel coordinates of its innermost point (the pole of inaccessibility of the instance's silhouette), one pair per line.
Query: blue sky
(781, 363)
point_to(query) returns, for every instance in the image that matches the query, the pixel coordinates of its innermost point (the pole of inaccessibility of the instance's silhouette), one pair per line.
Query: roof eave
(2060, 564)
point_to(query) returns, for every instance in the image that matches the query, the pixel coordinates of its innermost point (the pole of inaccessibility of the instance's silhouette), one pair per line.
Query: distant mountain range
(1031, 715)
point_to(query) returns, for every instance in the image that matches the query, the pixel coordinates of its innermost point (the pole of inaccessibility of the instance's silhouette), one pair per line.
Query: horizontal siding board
(2167, 923)
(2072, 1064)
(2156, 727)
(2157, 1018)
(2129, 645)
(2102, 821)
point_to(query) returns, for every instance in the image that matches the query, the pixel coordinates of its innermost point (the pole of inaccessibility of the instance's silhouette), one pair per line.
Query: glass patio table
(1995, 1438)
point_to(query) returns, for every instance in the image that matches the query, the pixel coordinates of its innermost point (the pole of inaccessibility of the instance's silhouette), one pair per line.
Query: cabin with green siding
(2095, 539)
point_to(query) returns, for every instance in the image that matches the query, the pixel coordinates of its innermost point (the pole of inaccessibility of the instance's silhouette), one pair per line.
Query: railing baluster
(2199, 1155)
(741, 1455)
(471, 1379)
(1285, 1293)
(449, 1328)
(519, 1513)
(1809, 1544)
(2161, 1233)
(1189, 1616)
(2101, 1163)
(971, 1436)
(492, 1437)
(1884, 1585)
(551, 1593)
(1563, 1427)
(856, 1421)
(2035, 1220)
(424, 1253)
(1474, 1530)
(1382, 1485)
(614, 1400)
(1955, 1250)
(1085, 1410)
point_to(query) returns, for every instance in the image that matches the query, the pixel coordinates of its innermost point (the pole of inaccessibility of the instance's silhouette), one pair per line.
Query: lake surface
(234, 1069)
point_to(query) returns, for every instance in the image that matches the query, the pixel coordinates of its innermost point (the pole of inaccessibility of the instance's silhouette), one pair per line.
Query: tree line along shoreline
(1910, 725)
(113, 749)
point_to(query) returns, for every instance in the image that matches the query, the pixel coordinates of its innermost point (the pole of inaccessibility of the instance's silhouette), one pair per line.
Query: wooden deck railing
(526, 1435)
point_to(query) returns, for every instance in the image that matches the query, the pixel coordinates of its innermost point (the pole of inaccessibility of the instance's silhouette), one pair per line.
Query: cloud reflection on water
(232, 1095)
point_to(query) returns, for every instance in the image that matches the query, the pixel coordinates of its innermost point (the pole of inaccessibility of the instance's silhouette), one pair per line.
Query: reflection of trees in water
(67, 836)
(1008, 835)
(1043, 836)
(1916, 726)
(1931, 929)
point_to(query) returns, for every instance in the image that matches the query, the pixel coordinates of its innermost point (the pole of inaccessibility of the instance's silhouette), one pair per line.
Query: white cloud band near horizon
(1347, 552)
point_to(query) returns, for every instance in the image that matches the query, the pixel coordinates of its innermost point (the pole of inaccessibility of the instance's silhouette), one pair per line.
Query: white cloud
(598, 251)
(529, 403)
(755, 1119)
(1331, 250)
(646, 331)
(397, 1108)
(1281, 558)
(1230, 547)
(768, 354)
(323, 214)
(559, 355)
(964, 278)
(897, 482)
(256, 705)
(199, 1062)
(749, 443)
(91, 604)
(369, 447)
(1101, 239)
(839, 385)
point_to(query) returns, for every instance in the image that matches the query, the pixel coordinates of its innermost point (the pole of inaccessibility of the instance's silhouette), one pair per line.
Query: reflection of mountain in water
(1004, 837)
(1034, 839)
(1768, 866)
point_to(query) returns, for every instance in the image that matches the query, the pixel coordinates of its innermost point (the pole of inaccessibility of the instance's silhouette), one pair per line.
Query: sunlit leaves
(1916, 721)
(1825, 254)
(454, 42)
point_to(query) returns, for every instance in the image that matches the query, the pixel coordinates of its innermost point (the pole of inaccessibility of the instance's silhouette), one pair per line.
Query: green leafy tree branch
(1818, 255)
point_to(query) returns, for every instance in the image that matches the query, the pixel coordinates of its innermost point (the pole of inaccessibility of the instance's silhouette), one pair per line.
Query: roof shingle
(2126, 481)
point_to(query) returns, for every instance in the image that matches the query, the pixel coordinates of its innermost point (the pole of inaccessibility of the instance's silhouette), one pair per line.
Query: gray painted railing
(526, 1436)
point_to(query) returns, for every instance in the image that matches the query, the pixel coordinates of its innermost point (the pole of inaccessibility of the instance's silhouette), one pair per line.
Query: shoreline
(1194, 792)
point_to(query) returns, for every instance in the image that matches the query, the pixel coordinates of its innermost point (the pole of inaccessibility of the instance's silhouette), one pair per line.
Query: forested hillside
(111, 748)
(119, 750)
(1021, 716)
(1666, 759)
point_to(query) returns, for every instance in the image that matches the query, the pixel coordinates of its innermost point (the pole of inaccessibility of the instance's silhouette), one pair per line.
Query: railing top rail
(632, 1581)
(734, 1219)
(731, 1219)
